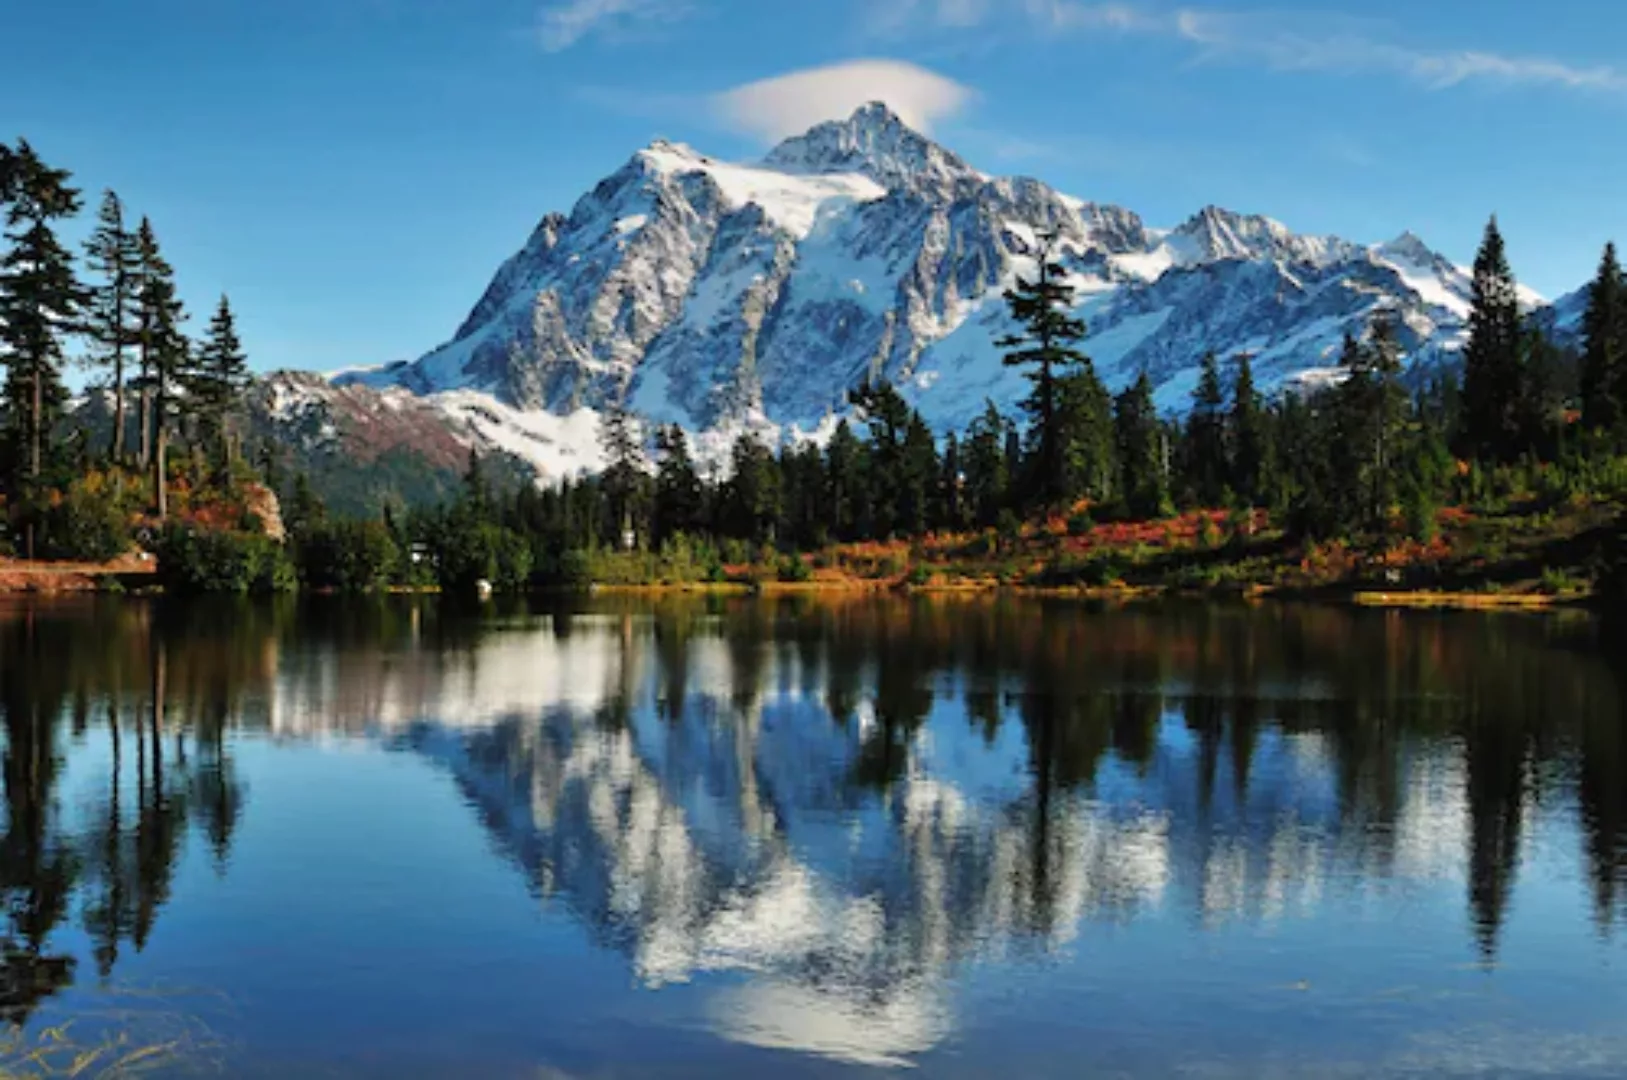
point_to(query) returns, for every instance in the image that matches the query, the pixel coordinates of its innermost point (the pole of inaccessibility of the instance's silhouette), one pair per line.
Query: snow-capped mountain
(716, 294)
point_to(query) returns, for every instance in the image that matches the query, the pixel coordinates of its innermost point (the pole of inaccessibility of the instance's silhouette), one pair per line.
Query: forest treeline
(116, 307)
(1370, 457)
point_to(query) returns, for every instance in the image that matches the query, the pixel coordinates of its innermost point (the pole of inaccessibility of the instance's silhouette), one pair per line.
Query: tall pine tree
(1492, 375)
(988, 479)
(165, 356)
(680, 505)
(1047, 344)
(1250, 437)
(887, 415)
(113, 314)
(752, 503)
(918, 477)
(622, 442)
(1604, 349)
(1205, 443)
(1367, 411)
(846, 472)
(8, 173)
(1086, 422)
(1145, 483)
(40, 303)
(217, 380)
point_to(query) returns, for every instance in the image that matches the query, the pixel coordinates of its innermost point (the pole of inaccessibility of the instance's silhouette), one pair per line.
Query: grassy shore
(1526, 556)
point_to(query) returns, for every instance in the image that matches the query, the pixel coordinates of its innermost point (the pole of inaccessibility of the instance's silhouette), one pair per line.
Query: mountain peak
(1217, 233)
(876, 142)
(1411, 247)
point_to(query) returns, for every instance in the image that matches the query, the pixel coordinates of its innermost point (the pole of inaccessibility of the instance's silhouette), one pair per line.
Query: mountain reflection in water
(840, 811)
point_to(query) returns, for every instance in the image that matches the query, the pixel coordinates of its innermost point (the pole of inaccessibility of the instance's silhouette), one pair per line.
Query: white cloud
(1282, 42)
(565, 22)
(788, 105)
(1331, 47)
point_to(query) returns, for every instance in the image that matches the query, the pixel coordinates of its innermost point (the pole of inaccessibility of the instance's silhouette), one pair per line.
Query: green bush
(1557, 582)
(920, 574)
(1422, 515)
(1080, 524)
(795, 569)
(470, 551)
(1095, 570)
(88, 522)
(574, 570)
(194, 560)
(512, 555)
(351, 556)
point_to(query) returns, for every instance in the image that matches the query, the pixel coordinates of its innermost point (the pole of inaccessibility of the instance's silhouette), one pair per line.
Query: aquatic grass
(113, 1043)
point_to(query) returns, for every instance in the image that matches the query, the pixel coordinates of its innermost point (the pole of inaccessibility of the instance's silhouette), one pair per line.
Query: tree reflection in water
(850, 798)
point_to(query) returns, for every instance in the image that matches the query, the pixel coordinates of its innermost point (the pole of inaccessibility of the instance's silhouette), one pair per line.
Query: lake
(727, 837)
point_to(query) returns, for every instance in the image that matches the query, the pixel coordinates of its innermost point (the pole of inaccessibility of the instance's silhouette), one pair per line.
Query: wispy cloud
(1328, 46)
(566, 22)
(1280, 41)
(790, 104)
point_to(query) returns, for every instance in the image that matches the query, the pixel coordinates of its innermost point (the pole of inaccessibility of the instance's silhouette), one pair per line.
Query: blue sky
(353, 171)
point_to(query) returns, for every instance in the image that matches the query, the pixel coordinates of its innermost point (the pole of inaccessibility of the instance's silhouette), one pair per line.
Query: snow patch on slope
(557, 446)
(792, 202)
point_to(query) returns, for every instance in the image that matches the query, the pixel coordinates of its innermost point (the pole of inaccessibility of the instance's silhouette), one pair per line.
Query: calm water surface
(709, 838)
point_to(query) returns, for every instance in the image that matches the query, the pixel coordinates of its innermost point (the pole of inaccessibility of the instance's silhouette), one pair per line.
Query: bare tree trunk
(146, 427)
(36, 409)
(118, 405)
(160, 444)
(36, 425)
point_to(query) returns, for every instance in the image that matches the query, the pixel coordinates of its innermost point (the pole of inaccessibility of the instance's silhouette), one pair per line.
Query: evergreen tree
(888, 418)
(1047, 344)
(1604, 349)
(218, 379)
(1249, 434)
(951, 511)
(918, 477)
(1205, 442)
(1143, 483)
(1309, 492)
(1540, 408)
(623, 477)
(1368, 411)
(988, 479)
(477, 496)
(1351, 412)
(305, 510)
(8, 173)
(752, 504)
(680, 505)
(845, 473)
(1492, 375)
(40, 302)
(165, 353)
(1086, 422)
(1389, 416)
(113, 314)
(805, 513)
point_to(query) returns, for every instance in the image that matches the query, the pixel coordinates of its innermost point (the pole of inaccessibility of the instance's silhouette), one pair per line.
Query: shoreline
(1420, 600)
(22, 578)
